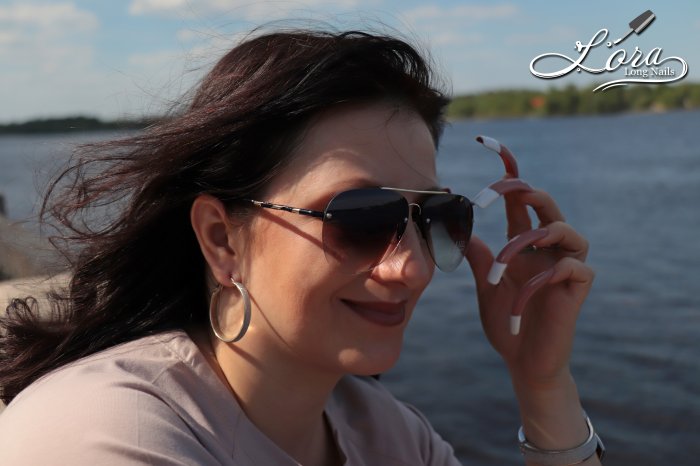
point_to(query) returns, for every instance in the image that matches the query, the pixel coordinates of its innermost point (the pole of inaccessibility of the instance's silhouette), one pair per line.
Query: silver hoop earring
(214, 313)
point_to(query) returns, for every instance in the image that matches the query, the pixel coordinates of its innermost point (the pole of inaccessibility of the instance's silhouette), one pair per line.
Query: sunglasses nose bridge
(416, 214)
(414, 211)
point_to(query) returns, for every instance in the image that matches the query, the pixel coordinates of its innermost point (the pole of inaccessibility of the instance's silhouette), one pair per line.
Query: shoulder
(135, 403)
(374, 424)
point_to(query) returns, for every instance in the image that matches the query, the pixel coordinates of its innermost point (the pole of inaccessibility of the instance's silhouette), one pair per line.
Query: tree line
(72, 124)
(571, 100)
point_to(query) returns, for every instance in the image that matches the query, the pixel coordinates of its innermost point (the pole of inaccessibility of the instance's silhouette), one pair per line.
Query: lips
(379, 312)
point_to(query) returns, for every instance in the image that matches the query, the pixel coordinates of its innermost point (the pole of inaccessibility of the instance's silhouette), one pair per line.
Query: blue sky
(114, 58)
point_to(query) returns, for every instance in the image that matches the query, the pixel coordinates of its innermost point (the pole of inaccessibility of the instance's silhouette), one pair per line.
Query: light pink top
(157, 401)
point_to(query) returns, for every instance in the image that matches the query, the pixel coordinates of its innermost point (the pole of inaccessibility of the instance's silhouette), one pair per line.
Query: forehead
(377, 143)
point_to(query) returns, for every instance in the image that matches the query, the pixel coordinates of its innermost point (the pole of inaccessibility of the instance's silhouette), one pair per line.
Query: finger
(531, 287)
(544, 206)
(565, 239)
(516, 214)
(510, 250)
(480, 259)
(578, 276)
(575, 273)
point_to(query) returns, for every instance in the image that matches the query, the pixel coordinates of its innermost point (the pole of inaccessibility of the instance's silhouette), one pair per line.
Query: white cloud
(188, 35)
(143, 7)
(52, 17)
(154, 60)
(241, 9)
(9, 38)
(455, 26)
(45, 37)
(554, 35)
(47, 53)
(460, 13)
(453, 38)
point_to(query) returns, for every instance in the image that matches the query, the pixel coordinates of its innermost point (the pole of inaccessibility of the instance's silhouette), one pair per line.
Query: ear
(217, 238)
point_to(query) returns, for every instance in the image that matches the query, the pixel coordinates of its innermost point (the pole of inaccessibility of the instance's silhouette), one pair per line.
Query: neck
(284, 400)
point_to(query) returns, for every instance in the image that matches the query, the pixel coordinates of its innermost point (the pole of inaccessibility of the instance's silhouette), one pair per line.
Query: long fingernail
(514, 325)
(513, 247)
(530, 288)
(489, 194)
(506, 155)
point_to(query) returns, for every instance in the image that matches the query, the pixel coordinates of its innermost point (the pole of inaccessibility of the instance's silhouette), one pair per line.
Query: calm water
(631, 185)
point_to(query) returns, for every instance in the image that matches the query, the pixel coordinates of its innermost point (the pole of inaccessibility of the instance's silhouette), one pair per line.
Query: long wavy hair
(122, 207)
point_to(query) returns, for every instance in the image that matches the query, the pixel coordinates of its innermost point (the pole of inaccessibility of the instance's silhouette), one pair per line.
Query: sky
(134, 58)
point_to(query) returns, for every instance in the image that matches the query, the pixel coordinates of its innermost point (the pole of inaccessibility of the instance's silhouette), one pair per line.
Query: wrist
(590, 452)
(551, 413)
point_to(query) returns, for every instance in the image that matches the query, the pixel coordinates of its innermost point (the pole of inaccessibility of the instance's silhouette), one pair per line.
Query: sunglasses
(363, 227)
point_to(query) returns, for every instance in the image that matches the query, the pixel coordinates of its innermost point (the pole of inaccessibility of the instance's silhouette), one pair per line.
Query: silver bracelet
(577, 455)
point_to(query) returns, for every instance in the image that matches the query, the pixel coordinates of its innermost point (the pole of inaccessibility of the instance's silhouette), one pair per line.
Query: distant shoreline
(72, 124)
(515, 103)
(573, 101)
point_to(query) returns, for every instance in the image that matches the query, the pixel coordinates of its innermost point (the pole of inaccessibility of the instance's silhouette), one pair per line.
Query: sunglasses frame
(325, 215)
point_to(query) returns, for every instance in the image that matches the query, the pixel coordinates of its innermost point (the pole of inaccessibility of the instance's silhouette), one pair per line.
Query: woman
(252, 264)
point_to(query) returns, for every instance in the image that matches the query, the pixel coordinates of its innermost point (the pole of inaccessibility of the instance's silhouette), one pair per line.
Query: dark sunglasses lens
(363, 226)
(447, 225)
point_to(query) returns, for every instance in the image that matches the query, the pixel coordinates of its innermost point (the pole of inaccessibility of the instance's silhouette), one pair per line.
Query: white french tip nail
(514, 325)
(491, 143)
(485, 197)
(496, 273)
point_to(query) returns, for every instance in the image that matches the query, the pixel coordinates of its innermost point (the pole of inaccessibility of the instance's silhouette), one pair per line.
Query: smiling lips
(379, 312)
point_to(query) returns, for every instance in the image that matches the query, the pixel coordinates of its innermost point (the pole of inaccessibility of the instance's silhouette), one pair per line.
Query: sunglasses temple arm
(506, 155)
(489, 194)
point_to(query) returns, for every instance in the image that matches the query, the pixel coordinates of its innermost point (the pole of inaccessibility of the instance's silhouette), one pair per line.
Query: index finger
(543, 204)
(517, 216)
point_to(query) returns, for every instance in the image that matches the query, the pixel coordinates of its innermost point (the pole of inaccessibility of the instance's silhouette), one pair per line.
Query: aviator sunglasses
(363, 227)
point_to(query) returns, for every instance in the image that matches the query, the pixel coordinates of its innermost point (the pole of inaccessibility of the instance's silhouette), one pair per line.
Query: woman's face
(305, 309)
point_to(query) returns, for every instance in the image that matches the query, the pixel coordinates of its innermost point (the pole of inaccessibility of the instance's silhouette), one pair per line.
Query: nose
(411, 262)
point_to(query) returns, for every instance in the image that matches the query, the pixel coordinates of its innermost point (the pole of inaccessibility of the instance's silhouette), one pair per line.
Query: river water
(631, 185)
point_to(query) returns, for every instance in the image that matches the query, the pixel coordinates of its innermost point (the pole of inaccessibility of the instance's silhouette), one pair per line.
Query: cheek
(290, 249)
(290, 278)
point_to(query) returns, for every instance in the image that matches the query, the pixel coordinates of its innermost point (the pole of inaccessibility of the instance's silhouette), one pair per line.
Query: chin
(369, 362)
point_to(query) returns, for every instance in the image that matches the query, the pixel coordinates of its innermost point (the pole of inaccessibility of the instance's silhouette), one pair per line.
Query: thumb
(480, 259)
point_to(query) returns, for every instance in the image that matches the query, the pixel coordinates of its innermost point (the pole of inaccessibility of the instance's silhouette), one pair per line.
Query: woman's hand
(538, 356)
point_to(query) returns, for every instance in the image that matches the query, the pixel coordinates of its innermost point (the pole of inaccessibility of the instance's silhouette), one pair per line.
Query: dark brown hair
(122, 206)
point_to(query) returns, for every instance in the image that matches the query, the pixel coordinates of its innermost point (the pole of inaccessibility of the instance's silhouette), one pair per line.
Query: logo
(638, 67)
